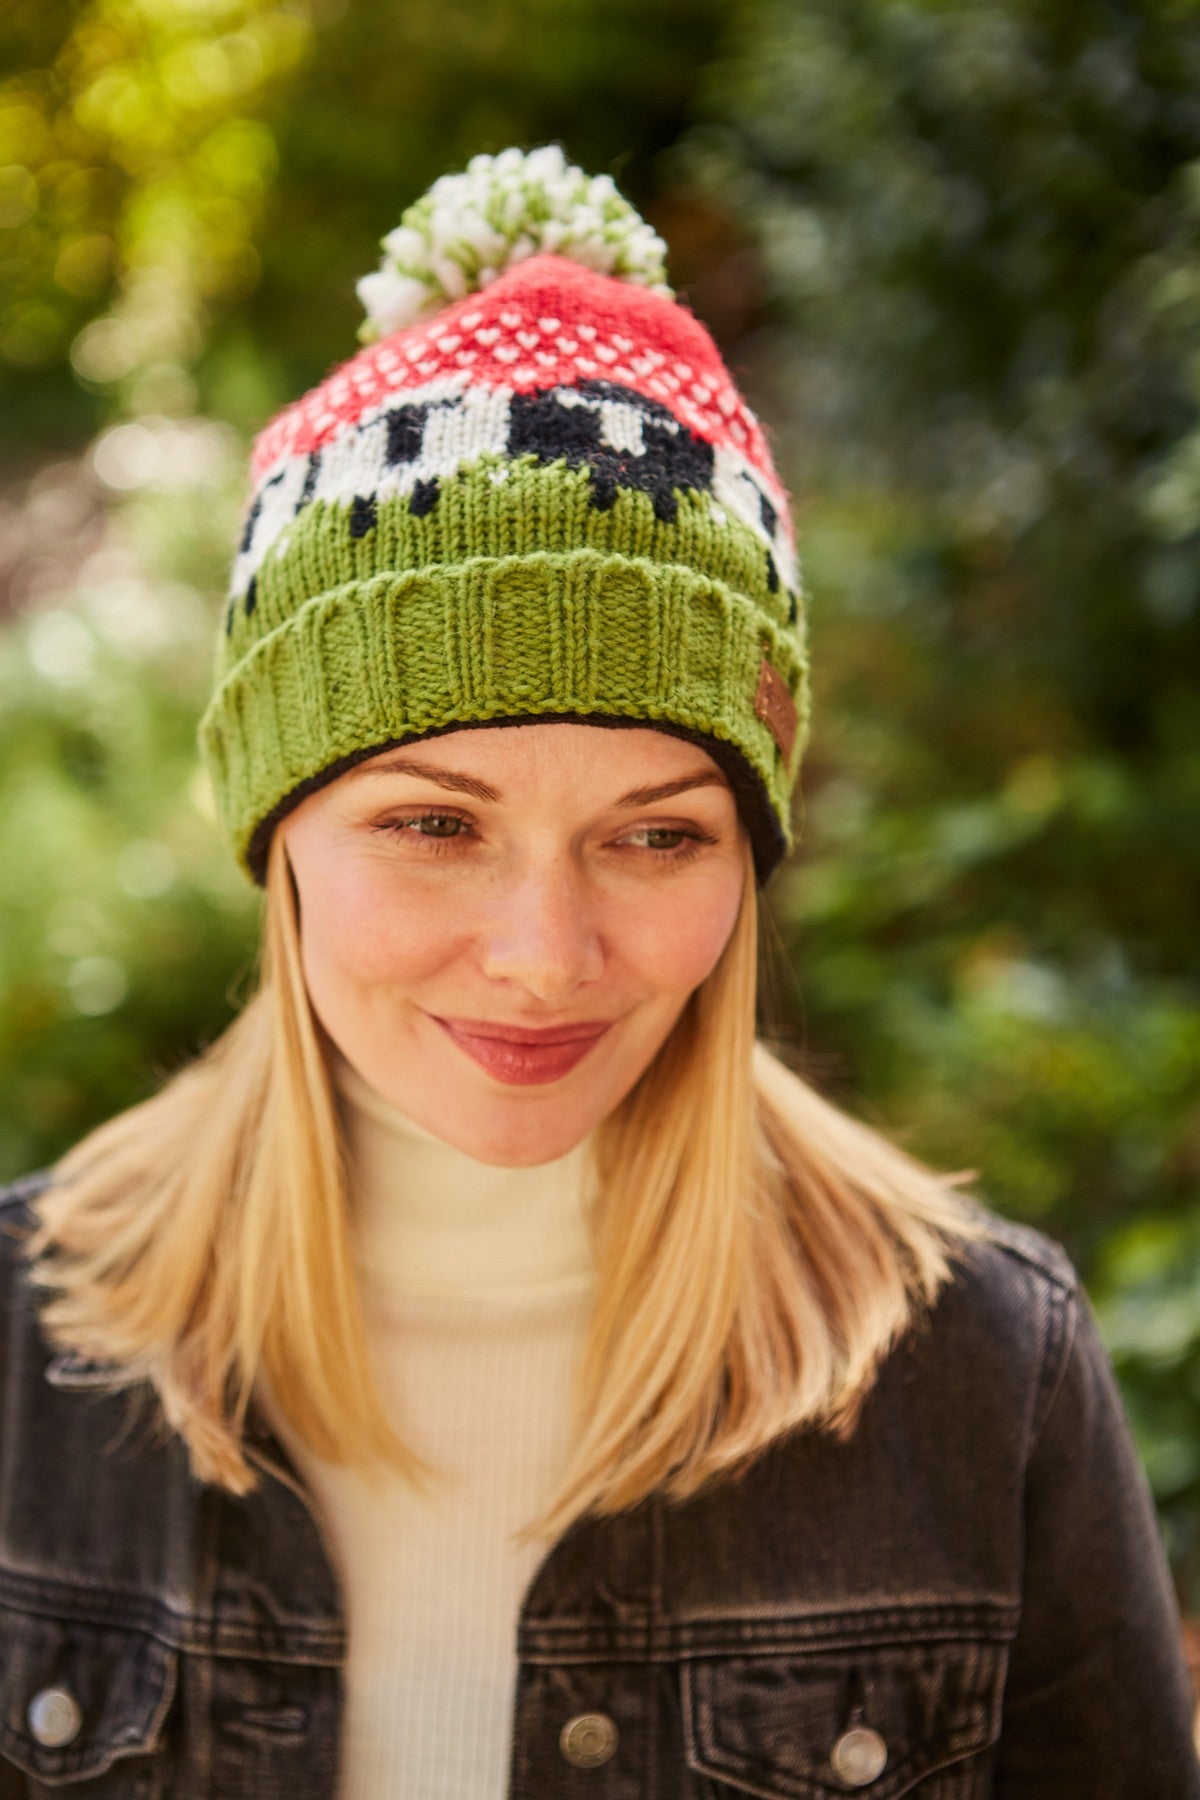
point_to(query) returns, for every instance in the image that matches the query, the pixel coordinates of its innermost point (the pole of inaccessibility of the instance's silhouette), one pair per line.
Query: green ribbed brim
(639, 626)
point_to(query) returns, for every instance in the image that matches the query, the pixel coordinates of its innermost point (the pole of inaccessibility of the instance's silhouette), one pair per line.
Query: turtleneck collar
(431, 1220)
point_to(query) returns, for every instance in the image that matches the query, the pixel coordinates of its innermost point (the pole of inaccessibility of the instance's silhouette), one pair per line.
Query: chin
(523, 1144)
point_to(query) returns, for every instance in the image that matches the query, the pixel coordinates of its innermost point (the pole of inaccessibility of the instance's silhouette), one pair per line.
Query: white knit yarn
(477, 1285)
(470, 227)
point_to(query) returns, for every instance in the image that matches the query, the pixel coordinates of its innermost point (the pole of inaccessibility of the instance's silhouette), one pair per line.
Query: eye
(657, 833)
(431, 829)
(685, 841)
(442, 832)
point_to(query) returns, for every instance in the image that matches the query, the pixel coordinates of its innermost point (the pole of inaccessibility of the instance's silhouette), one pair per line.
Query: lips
(521, 1055)
(529, 1034)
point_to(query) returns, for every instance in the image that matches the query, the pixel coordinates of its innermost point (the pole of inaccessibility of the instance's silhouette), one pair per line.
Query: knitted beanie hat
(536, 494)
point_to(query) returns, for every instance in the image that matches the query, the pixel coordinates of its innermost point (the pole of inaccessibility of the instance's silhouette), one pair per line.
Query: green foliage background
(951, 253)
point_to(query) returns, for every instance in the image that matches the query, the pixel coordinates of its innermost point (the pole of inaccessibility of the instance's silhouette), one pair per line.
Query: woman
(489, 1371)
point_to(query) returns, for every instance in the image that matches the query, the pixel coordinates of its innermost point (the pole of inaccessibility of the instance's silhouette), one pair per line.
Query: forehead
(599, 753)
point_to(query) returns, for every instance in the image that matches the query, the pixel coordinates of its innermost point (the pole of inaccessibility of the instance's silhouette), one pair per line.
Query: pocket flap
(104, 1692)
(772, 1725)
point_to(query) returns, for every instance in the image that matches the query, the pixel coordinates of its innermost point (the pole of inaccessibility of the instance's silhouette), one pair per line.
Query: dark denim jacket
(967, 1599)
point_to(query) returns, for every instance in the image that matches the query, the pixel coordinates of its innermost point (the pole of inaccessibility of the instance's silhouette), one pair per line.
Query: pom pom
(469, 228)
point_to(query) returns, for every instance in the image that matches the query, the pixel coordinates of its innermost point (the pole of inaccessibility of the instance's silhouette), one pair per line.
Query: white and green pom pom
(469, 228)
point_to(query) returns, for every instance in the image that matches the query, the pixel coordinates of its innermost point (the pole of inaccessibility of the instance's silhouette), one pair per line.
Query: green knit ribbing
(384, 656)
(497, 507)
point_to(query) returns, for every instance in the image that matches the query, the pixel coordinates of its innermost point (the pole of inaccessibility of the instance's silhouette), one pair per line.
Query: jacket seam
(1060, 1337)
(971, 1622)
(109, 1608)
(1057, 1274)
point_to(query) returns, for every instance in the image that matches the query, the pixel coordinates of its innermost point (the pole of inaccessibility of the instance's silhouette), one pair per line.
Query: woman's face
(561, 877)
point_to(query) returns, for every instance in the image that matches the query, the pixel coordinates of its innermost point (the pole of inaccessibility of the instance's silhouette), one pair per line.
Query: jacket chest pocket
(881, 1721)
(82, 1708)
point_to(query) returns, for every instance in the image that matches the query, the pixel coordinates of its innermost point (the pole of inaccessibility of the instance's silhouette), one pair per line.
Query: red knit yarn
(547, 322)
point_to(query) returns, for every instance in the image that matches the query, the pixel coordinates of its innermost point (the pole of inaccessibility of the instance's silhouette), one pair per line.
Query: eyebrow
(481, 790)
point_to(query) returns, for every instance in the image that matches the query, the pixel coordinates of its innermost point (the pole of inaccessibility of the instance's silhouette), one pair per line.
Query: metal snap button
(859, 1756)
(54, 1717)
(588, 1740)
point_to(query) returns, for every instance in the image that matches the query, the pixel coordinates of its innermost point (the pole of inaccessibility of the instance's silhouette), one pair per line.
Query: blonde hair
(758, 1250)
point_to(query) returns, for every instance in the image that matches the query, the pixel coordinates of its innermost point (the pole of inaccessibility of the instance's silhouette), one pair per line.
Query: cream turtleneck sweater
(477, 1282)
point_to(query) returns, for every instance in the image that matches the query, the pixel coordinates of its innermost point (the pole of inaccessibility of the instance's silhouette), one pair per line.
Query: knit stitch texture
(547, 501)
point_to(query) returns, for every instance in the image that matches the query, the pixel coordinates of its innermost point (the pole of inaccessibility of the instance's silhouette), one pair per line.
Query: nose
(542, 933)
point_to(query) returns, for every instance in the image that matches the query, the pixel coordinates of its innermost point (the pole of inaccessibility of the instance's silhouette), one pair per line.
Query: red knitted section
(547, 322)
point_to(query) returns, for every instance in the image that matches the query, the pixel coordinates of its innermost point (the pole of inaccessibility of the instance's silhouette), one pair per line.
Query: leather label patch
(774, 705)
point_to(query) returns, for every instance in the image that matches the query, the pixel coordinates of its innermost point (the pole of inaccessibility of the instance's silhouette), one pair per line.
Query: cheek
(360, 927)
(365, 929)
(676, 943)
